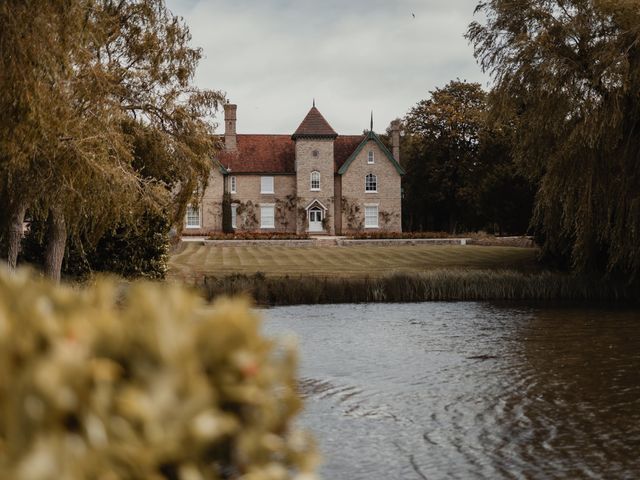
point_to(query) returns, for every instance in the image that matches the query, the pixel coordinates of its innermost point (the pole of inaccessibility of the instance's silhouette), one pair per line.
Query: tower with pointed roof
(314, 146)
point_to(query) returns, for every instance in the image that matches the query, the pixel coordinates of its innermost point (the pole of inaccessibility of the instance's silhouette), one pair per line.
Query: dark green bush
(226, 213)
(139, 250)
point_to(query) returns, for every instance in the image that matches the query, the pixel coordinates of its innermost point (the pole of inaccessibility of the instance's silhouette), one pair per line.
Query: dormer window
(371, 158)
(315, 181)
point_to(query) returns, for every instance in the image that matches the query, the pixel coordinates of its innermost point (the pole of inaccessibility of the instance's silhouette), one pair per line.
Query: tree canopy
(567, 76)
(460, 172)
(103, 121)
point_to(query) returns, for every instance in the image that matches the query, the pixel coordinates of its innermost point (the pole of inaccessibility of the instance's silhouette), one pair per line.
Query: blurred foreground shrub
(142, 384)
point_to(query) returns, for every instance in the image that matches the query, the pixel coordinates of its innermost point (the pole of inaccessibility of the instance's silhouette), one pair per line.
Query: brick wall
(249, 198)
(307, 162)
(388, 196)
(210, 206)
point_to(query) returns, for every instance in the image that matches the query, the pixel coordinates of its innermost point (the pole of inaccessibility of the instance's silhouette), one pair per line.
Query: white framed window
(315, 181)
(371, 158)
(267, 215)
(266, 184)
(234, 215)
(233, 184)
(371, 216)
(371, 183)
(192, 219)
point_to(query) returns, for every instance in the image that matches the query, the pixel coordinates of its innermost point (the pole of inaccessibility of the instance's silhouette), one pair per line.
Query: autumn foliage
(142, 384)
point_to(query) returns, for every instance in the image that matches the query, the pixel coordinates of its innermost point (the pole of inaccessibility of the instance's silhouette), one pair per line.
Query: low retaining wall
(337, 242)
(264, 243)
(347, 242)
(523, 242)
(402, 241)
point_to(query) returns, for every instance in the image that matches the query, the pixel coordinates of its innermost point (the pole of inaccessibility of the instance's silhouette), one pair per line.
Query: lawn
(196, 260)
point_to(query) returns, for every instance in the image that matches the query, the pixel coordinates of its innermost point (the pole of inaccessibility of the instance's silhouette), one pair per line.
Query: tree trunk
(15, 236)
(453, 224)
(56, 243)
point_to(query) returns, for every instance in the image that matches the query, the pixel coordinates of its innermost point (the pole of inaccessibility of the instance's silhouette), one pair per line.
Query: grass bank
(196, 260)
(434, 285)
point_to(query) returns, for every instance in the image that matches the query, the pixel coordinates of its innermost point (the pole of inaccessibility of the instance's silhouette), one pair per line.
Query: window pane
(315, 180)
(266, 217)
(234, 215)
(266, 184)
(193, 216)
(233, 184)
(371, 183)
(371, 157)
(371, 217)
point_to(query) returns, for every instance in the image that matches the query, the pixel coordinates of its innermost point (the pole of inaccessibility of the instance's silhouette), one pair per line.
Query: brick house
(313, 181)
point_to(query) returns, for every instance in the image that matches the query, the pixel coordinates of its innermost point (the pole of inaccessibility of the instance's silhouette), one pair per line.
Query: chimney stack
(395, 139)
(230, 143)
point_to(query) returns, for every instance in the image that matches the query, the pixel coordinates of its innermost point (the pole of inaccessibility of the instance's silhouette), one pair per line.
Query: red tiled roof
(277, 153)
(343, 147)
(314, 125)
(261, 154)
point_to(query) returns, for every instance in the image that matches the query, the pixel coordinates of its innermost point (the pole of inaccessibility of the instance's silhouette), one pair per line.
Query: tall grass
(435, 285)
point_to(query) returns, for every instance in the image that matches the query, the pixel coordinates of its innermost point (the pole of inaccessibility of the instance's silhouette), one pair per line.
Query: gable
(371, 136)
(317, 203)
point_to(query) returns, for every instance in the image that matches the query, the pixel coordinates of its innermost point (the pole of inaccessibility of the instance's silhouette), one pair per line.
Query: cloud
(272, 57)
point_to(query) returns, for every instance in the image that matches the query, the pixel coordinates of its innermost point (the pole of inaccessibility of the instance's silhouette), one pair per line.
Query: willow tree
(118, 126)
(567, 73)
(33, 51)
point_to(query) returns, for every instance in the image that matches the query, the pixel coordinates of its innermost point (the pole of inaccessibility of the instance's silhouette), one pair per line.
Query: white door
(315, 220)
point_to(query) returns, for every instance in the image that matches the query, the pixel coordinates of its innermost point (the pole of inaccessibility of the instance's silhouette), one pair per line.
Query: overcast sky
(273, 57)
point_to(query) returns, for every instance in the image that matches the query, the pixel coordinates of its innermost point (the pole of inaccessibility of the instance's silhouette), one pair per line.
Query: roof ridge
(339, 135)
(263, 134)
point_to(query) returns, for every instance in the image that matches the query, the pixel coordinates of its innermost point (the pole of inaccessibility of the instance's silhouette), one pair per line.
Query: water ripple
(468, 390)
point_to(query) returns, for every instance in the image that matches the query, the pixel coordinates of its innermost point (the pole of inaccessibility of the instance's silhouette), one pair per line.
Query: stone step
(325, 242)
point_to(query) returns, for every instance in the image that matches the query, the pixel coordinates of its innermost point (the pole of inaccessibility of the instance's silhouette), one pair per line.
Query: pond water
(469, 390)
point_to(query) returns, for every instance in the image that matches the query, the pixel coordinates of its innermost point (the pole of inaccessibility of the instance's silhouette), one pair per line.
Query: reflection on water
(469, 390)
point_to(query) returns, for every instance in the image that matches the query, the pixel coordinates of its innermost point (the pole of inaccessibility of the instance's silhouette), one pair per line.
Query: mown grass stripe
(344, 261)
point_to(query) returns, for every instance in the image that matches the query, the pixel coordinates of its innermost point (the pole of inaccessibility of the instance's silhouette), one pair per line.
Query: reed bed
(434, 285)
